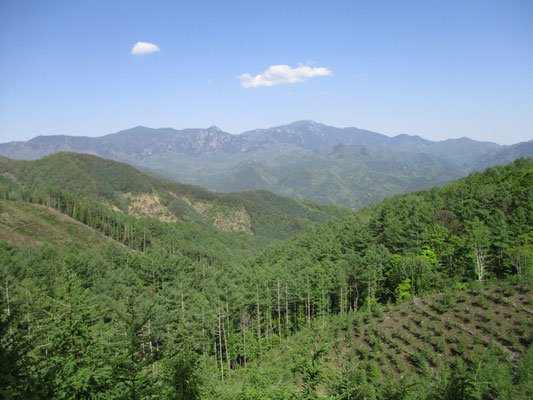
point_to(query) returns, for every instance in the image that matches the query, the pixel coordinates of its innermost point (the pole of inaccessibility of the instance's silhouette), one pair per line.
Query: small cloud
(278, 74)
(141, 48)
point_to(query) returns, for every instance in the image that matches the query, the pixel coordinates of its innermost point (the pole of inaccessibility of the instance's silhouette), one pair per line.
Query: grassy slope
(23, 223)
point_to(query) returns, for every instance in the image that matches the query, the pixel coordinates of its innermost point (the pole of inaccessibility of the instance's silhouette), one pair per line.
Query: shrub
(476, 287)
(467, 316)
(511, 291)
(461, 346)
(449, 300)
(363, 353)
(482, 301)
(524, 326)
(378, 313)
(514, 340)
(374, 373)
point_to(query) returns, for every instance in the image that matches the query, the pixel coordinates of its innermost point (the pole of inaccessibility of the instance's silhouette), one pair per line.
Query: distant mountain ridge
(312, 136)
(132, 144)
(300, 160)
(505, 156)
(140, 142)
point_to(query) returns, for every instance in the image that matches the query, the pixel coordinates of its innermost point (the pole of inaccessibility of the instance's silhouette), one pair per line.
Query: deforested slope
(26, 223)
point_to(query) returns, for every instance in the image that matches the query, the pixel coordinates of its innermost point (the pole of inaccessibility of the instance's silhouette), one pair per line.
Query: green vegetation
(88, 187)
(425, 295)
(354, 176)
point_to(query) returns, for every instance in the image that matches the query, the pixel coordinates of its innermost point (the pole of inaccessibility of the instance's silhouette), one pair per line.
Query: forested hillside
(395, 301)
(119, 200)
(354, 176)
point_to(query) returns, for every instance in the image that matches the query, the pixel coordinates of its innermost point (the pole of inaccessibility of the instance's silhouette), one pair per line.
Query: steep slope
(420, 251)
(193, 311)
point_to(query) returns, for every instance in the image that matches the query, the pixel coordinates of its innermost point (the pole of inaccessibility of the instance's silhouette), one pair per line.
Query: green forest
(425, 295)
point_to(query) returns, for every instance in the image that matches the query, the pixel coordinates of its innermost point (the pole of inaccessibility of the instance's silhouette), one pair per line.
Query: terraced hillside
(430, 332)
(416, 344)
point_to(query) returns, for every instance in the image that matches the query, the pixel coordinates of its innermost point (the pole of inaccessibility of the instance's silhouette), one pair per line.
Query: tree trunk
(356, 299)
(342, 299)
(267, 325)
(203, 330)
(279, 313)
(286, 309)
(258, 317)
(244, 324)
(220, 344)
(226, 347)
(480, 266)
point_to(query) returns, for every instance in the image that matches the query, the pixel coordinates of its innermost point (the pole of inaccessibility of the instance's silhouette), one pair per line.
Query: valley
(117, 283)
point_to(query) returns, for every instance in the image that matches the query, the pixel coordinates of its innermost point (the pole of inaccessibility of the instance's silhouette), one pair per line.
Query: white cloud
(278, 74)
(144, 48)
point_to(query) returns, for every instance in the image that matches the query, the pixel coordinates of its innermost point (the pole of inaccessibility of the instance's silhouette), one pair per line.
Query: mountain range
(303, 160)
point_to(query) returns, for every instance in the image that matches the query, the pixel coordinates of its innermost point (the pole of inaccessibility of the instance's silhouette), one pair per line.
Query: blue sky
(437, 69)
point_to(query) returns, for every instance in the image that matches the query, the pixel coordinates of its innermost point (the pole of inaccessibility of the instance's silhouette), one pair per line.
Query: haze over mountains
(304, 159)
